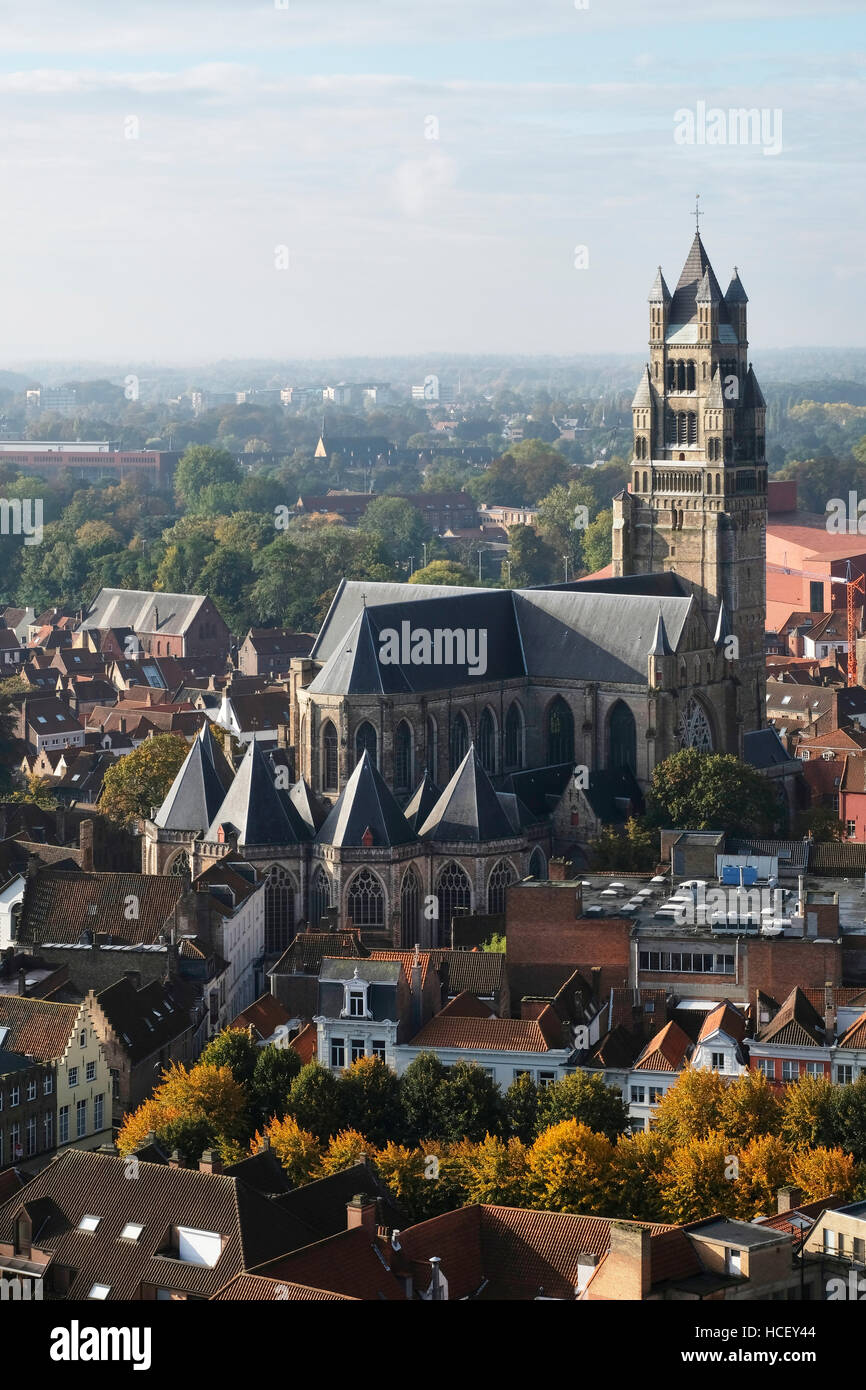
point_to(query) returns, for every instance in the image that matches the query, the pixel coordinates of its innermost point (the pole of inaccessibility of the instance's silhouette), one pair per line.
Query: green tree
(368, 1100)
(637, 1163)
(444, 572)
(420, 1089)
(140, 780)
(469, 1104)
(235, 1049)
(712, 791)
(808, 1112)
(201, 466)
(398, 525)
(598, 542)
(313, 1101)
(585, 1097)
(530, 559)
(274, 1071)
(521, 1108)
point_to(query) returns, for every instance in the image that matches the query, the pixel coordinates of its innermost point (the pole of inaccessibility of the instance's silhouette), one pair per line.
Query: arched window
(279, 910)
(329, 757)
(500, 876)
(622, 736)
(560, 733)
(179, 865)
(537, 864)
(431, 753)
(458, 741)
(454, 894)
(513, 738)
(694, 727)
(320, 896)
(366, 900)
(487, 741)
(365, 741)
(403, 757)
(410, 899)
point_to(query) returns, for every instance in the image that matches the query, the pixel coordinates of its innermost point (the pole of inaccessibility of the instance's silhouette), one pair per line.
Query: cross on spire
(698, 214)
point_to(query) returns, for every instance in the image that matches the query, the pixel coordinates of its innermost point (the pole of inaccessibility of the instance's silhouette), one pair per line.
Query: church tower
(697, 499)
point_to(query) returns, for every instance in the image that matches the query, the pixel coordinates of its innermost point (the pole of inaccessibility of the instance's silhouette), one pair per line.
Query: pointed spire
(753, 396)
(644, 394)
(469, 808)
(422, 801)
(684, 304)
(659, 293)
(254, 809)
(366, 812)
(715, 399)
(735, 294)
(706, 294)
(723, 626)
(660, 644)
(199, 787)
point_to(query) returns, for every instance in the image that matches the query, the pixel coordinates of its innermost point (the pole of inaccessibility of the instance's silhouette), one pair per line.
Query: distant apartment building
(358, 393)
(90, 460)
(211, 400)
(62, 399)
(300, 397)
(433, 391)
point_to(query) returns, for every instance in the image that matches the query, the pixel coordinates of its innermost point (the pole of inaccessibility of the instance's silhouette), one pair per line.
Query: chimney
(801, 896)
(415, 985)
(210, 1162)
(122, 724)
(788, 1199)
(829, 1012)
(556, 870)
(437, 1289)
(628, 1264)
(361, 1211)
(595, 979)
(85, 845)
(265, 1145)
(175, 1160)
(22, 983)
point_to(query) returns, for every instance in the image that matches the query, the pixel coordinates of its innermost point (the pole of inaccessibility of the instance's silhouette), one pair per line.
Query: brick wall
(542, 929)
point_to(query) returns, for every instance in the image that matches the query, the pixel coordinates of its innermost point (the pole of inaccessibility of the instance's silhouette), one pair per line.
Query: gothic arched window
(454, 894)
(410, 899)
(179, 865)
(513, 738)
(320, 896)
(487, 741)
(329, 757)
(458, 741)
(500, 876)
(537, 864)
(622, 737)
(403, 757)
(560, 733)
(365, 741)
(694, 727)
(365, 900)
(279, 910)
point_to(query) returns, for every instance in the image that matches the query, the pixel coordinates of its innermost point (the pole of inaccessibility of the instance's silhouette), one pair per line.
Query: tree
(190, 1135)
(691, 1108)
(207, 1097)
(633, 849)
(494, 1171)
(368, 1099)
(712, 791)
(235, 1049)
(345, 1149)
(698, 1179)
(398, 525)
(598, 542)
(563, 517)
(8, 717)
(273, 1074)
(402, 1169)
(849, 1117)
(469, 1104)
(201, 466)
(748, 1108)
(444, 572)
(313, 1101)
(140, 780)
(764, 1167)
(808, 1112)
(819, 824)
(531, 559)
(824, 1172)
(297, 1149)
(420, 1089)
(521, 1108)
(584, 1096)
(636, 1166)
(570, 1169)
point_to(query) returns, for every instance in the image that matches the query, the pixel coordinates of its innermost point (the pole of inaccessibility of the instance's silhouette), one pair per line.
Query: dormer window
(355, 1003)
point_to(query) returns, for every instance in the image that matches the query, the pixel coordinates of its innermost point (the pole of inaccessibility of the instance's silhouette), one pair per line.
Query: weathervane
(697, 214)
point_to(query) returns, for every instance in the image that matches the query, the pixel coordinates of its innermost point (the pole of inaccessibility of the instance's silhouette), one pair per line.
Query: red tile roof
(265, 1016)
(855, 1036)
(351, 1263)
(723, 1019)
(37, 1027)
(666, 1051)
(492, 1034)
(257, 1289)
(305, 1043)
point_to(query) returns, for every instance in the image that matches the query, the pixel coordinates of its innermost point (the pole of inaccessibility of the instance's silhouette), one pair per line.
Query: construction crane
(854, 584)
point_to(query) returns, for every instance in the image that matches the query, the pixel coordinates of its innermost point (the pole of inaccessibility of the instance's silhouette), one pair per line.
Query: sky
(187, 180)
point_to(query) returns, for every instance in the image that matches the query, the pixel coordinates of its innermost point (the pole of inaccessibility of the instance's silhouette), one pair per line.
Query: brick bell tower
(697, 500)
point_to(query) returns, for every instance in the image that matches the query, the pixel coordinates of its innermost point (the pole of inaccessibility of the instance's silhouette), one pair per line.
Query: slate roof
(307, 805)
(305, 954)
(422, 801)
(764, 748)
(199, 788)
(735, 294)
(468, 809)
(595, 635)
(797, 1024)
(254, 809)
(617, 1048)
(59, 905)
(253, 1228)
(659, 292)
(137, 609)
(366, 803)
(683, 307)
(279, 641)
(145, 1019)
